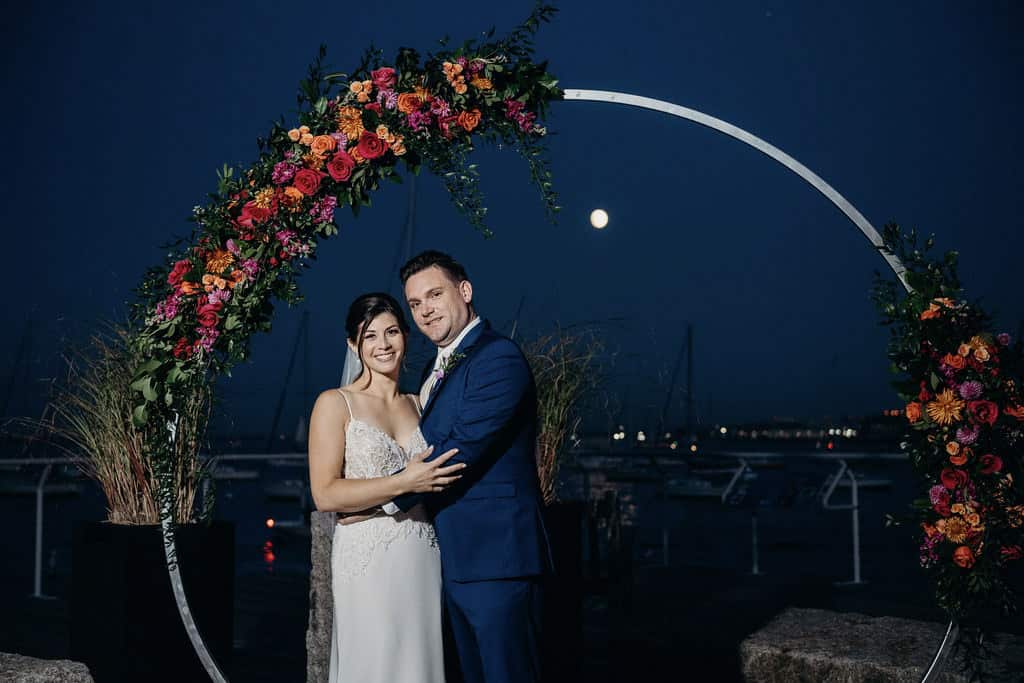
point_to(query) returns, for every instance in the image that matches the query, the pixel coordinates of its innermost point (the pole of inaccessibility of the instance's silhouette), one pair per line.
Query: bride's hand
(430, 477)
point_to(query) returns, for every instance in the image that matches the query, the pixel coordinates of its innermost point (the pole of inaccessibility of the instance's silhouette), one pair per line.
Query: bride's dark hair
(363, 310)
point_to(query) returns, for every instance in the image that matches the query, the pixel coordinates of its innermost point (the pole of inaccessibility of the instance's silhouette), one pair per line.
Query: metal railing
(40, 494)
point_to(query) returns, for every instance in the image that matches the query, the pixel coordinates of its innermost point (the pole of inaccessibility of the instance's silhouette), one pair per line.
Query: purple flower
(970, 390)
(967, 435)
(512, 108)
(233, 248)
(341, 139)
(525, 121)
(168, 308)
(285, 236)
(389, 98)
(1003, 339)
(207, 337)
(323, 209)
(476, 66)
(283, 172)
(418, 119)
(251, 267)
(937, 494)
(219, 296)
(440, 108)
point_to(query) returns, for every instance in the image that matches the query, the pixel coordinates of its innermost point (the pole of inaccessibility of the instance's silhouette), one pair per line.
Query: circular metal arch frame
(813, 179)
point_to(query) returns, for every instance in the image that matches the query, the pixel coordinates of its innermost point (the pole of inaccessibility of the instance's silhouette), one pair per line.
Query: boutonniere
(449, 363)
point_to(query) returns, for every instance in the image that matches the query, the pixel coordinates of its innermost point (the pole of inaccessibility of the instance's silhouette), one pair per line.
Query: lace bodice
(371, 452)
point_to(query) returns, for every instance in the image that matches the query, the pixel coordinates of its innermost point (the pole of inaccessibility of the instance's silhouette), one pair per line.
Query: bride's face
(441, 307)
(383, 345)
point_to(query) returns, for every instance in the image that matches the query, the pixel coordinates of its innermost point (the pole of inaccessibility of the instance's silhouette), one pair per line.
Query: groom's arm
(496, 387)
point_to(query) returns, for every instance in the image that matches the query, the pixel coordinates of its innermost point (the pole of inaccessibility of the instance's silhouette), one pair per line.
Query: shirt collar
(445, 352)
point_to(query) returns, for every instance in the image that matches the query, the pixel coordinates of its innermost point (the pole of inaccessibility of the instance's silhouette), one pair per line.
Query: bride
(386, 571)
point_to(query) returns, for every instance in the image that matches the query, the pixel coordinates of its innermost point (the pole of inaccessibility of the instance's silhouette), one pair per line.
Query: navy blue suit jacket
(489, 524)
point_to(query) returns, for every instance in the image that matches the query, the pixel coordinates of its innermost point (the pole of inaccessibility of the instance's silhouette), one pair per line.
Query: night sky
(117, 116)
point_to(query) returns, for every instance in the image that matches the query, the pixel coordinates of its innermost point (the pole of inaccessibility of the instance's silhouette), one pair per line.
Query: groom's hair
(452, 268)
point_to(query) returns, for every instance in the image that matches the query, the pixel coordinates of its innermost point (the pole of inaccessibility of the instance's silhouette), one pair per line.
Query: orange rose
(322, 144)
(237, 278)
(481, 83)
(398, 147)
(981, 353)
(294, 135)
(1015, 411)
(958, 460)
(964, 350)
(952, 448)
(469, 120)
(189, 288)
(293, 198)
(212, 282)
(913, 411)
(353, 152)
(930, 313)
(973, 518)
(954, 361)
(409, 102)
(303, 129)
(963, 557)
(459, 85)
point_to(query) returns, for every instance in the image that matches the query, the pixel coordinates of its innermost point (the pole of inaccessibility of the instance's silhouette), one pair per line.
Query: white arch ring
(812, 178)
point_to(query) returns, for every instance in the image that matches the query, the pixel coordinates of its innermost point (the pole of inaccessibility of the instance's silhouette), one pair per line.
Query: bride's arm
(333, 493)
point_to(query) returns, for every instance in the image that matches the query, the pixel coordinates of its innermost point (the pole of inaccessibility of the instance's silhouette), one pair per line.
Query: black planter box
(562, 649)
(124, 622)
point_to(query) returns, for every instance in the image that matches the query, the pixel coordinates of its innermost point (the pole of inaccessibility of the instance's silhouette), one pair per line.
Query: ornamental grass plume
(564, 369)
(92, 422)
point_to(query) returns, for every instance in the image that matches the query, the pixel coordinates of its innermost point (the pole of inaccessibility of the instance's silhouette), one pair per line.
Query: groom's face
(440, 306)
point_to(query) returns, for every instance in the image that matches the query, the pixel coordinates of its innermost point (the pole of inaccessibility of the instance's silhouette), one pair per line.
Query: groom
(478, 396)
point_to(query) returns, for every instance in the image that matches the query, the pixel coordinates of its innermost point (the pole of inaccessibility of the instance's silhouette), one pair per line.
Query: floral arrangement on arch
(962, 384)
(194, 315)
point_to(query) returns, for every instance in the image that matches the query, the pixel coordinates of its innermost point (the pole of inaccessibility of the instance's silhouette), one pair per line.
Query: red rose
(181, 268)
(371, 146)
(952, 478)
(924, 396)
(207, 305)
(340, 166)
(943, 508)
(252, 214)
(183, 349)
(983, 411)
(273, 260)
(307, 181)
(383, 77)
(990, 464)
(963, 557)
(374, 107)
(208, 317)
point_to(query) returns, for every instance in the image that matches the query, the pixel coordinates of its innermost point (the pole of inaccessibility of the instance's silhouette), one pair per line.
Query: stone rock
(321, 603)
(831, 647)
(31, 670)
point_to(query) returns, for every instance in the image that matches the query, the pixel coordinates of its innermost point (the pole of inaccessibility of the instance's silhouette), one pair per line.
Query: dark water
(688, 573)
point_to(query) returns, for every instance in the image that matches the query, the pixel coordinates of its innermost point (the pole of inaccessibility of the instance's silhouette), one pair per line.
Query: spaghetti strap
(416, 402)
(351, 414)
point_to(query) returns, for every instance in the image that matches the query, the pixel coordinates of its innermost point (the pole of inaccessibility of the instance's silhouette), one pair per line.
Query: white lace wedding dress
(386, 578)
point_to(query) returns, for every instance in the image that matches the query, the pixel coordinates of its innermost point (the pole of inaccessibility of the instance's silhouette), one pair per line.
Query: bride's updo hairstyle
(364, 309)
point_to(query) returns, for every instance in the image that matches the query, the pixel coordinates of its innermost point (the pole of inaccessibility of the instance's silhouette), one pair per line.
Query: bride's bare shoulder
(331, 402)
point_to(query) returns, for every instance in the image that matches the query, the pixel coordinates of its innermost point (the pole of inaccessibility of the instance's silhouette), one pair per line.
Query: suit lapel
(467, 343)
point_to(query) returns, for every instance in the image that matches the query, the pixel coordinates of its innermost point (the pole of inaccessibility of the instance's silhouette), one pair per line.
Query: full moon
(599, 218)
